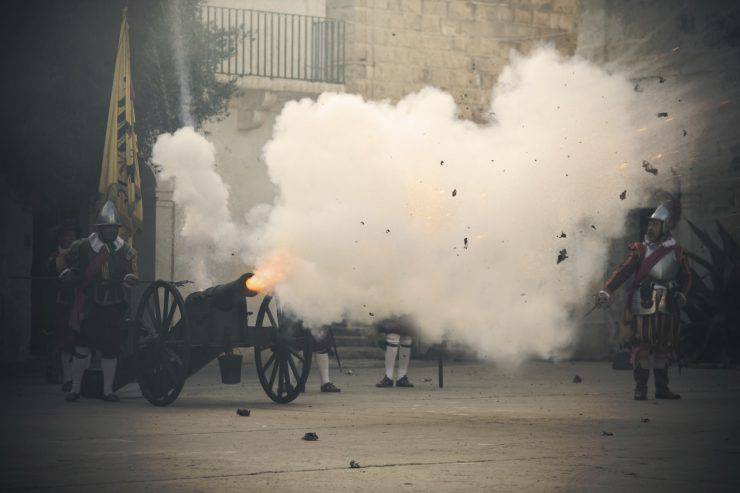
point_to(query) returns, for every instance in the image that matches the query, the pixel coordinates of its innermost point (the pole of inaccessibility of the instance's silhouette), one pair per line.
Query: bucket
(230, 365)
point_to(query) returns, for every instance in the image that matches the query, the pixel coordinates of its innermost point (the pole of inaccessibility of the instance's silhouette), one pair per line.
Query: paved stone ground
(530, 429)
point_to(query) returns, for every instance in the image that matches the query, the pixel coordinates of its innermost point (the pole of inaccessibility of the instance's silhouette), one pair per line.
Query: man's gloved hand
(602, 298)
(130, 279)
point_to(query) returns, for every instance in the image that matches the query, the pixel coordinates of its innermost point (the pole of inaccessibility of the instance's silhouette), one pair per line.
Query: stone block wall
(691, 50)
(398, 46)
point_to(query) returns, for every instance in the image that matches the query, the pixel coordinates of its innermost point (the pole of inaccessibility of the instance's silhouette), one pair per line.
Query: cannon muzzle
(225, 296)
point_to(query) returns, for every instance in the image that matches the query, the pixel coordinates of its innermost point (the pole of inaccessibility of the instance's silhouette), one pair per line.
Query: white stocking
(391, 350)
(322, 361)
(78, 367)
(404, 355)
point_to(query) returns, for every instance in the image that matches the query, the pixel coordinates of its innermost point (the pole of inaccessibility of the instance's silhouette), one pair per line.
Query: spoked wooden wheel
(284, 364)
(161, 343)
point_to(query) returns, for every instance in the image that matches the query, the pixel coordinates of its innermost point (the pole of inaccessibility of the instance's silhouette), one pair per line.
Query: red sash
(91, 271)
(645, 266)
(648, 263)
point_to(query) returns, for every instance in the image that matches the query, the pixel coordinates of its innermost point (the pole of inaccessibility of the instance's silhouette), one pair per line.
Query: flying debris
(465, 242)
(623, 195)
(442, 162)
(663, 114)
(310, 436)
(593, 227)
(562, 235)
(371, 314)
(353, 464)
(562, 255)
(685, 133)
(387, 231)
(607, 434)
(362, 222)
(644, 420)
(649, 168)
(243, 412)
(577, 379)
(454, 192)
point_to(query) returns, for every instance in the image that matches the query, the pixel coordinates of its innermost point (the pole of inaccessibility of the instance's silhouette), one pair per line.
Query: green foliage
(712, 333)
(158, 97)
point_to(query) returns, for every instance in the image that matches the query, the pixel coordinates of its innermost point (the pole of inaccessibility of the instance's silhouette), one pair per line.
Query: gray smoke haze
(182, 66)
(406, 209)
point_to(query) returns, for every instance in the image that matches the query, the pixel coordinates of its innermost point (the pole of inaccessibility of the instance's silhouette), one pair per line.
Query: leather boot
(661, 385)
(641, 379)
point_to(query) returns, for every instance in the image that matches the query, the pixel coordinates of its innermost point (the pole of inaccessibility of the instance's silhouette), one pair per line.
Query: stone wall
(16, 256)
(689, 47)
(398, 46)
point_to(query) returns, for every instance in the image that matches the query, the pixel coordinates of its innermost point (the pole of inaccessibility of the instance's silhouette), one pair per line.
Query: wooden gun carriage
(171, 338)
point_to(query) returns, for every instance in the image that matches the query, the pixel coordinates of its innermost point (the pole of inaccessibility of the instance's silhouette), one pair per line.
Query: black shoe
(111, 398)
(666, 394)
(67, 386)
(404, 382)
(661, 385)
(641, 376)
(72, 396)
(386, 382)
(330, 387)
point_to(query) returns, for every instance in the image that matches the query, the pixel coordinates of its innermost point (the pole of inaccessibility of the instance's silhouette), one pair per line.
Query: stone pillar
(164, 266)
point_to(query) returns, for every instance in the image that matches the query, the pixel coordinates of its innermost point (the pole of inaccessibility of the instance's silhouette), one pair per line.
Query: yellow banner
(120, 179)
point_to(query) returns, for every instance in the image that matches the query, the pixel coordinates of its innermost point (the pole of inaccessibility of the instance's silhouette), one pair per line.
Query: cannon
(171, 338)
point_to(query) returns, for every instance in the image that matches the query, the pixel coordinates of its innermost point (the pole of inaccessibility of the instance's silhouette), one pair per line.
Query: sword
(591, 310)
(596, 305)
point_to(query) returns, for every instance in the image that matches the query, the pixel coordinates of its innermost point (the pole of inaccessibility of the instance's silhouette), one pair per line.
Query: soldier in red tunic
(660, 279)
(99, 267)
(57, 263)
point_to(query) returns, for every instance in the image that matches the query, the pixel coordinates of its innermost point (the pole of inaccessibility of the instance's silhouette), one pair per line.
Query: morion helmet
(108, 215)
(664, 215)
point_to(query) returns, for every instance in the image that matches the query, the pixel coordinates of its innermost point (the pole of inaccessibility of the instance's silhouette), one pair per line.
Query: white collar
(96, 243)
(668, 242)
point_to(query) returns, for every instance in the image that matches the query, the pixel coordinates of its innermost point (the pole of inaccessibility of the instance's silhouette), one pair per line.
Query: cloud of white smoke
(202, 198)
(405, 209)
(400, 209)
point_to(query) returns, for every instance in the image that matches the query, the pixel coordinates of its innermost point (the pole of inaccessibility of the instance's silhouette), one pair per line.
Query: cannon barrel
(218, 315)
(225, 296)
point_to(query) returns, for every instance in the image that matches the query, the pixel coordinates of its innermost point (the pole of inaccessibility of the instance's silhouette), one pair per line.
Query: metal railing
(278, 45)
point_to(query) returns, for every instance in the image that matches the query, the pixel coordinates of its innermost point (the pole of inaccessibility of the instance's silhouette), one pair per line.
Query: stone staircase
(357, 342)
